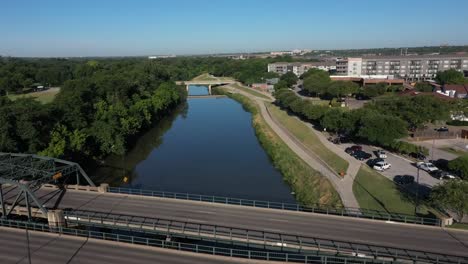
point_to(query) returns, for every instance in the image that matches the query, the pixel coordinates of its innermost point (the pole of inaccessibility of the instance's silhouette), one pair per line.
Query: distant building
(410, 68)
(161, 57)
(300, 68)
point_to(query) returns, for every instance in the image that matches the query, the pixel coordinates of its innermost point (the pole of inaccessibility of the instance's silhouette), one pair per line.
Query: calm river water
(207, 147)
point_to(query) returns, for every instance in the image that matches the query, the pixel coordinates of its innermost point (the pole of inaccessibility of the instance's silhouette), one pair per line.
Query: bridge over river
(277, 229)
(207, 83)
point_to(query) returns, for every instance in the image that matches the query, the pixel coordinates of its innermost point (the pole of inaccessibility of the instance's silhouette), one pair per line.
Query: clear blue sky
(145, 27)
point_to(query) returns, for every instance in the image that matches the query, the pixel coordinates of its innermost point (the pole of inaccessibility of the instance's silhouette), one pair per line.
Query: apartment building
(410, 68)
(300, 68)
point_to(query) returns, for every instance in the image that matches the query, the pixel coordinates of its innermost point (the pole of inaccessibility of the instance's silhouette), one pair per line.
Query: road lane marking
(278, 220)
(206, 212)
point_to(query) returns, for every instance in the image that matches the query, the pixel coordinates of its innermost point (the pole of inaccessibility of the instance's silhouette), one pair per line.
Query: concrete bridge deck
(58, 249)
(430, 239)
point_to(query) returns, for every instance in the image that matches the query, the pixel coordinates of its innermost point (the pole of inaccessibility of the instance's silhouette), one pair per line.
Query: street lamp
(417, 192)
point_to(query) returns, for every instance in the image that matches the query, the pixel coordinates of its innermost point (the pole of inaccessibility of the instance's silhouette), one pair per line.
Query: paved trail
(344, 186)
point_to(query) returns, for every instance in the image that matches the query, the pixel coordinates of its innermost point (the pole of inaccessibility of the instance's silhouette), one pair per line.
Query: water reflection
(207, 147)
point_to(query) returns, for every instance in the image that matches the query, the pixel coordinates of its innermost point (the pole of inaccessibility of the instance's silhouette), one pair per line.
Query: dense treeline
(381, 122)
(102, 103)
(98, 109)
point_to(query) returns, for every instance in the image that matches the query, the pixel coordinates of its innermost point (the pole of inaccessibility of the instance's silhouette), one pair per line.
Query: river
(206, 147)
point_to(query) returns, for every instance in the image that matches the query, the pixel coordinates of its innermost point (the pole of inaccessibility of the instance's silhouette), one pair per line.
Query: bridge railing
(320, 209)
(256, 239)
(196, 248)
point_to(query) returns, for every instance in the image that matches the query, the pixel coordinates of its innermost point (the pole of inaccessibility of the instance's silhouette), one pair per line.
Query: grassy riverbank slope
(374, 191)
(309, 139)
(309, 186)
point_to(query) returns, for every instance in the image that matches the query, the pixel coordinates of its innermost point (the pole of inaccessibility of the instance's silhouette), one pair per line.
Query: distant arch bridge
(209, 83)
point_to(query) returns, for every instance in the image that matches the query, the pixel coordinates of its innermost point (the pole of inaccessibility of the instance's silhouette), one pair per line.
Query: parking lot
(400, 166)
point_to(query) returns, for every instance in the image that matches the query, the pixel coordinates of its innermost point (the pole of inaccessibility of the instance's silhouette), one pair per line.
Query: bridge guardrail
(320, 209)
(253, 238)
(211, 250)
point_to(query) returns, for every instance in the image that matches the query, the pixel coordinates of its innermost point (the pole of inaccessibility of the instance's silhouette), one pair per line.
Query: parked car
(427, 166)
(361, 155)
(353, 149)
(381, 154)
(442, 129)
(403, 179)
(382, 165)
(443, 175)
(335, 140)
(418, 156)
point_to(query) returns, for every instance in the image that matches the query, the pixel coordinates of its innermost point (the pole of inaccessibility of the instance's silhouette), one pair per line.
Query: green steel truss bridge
(28, 173)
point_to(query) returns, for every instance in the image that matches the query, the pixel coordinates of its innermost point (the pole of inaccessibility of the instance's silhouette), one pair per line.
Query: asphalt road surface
(415, 237)
(46, 248)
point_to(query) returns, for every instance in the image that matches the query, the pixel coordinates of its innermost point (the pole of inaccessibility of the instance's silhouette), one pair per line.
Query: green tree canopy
(289, 78)
(381, 129)
(451, 76)
(452, 195)
(460, 166)
(317, 82)
(423, 87)
(341, 88)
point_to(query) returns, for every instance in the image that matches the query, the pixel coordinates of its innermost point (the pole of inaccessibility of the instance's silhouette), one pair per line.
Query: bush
(460, 166)
(408, 148)
(457, 123)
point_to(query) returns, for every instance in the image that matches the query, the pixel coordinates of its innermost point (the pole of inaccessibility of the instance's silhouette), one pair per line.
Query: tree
(332, 120)
(460, 166)
(423, 87)
(375, 90)
(452, 195)
(341, 88)
(313, 112)
(451, 76)
(289, 78)
(381, 129)
(317, 82)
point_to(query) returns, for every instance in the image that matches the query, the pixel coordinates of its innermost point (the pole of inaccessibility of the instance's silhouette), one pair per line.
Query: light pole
(417, 192)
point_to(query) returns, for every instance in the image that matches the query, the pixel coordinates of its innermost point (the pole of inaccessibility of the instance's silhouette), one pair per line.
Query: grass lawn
(208, 77)
(454, 151)
(374, 191)
(44, 97)
(250, 91)
(204, 77)
(459, 226)
(302, 132)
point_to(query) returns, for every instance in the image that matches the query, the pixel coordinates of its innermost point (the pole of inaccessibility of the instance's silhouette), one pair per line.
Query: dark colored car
(403, 179)
(418, 156)
(442, 129)
(443, 175)
(361, 155)
(353, 149)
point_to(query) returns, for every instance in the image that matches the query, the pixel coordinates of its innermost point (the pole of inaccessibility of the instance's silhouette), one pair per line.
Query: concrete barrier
(446, 221)
(56, 218)
(103, 188)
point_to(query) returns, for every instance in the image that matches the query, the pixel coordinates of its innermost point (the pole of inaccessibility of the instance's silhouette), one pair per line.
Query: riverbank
(309, 186)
